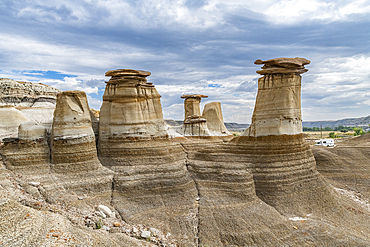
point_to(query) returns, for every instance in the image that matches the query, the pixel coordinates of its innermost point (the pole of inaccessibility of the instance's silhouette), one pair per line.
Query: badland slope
(138, 187)
(347, 164)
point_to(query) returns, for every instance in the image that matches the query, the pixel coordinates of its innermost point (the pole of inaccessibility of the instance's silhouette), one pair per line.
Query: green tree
(358, 131)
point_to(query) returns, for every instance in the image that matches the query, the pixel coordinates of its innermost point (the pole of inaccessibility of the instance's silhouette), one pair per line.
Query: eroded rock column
(194, 123)
(152, 185)
(278, 103)
(284, 168)
(131, 107)
(215, 122)
(74, 157)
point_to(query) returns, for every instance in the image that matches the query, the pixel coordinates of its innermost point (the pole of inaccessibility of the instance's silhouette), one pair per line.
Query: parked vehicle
(325, 142)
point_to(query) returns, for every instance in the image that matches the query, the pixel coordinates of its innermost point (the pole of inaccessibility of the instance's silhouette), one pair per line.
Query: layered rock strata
(230, 213)
(152, 185)
(74, 158)
(284, 168)
(131, 107)
(35, 100)
(278, 104)
(215, 122)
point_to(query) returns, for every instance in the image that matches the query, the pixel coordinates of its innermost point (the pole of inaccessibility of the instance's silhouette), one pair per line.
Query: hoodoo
(131, 107)
(74, 157)
(194, 123)
(278, 103)
(152, 185)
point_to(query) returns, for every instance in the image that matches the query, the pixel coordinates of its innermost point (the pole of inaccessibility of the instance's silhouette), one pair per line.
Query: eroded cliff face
(51, 192)
(35, 101)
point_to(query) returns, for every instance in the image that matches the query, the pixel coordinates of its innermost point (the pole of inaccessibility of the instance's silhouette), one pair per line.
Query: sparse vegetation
(99, 224)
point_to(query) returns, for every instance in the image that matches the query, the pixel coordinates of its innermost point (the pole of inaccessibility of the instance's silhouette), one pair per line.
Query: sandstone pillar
(284, 169)
(74, 159)
(73, 140)
(278, 103)
(215, 122)
(194, 123)
(191, 104)
(131, 107)
(152, 185)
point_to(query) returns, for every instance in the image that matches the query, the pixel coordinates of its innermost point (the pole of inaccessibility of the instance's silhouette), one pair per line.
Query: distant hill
(352, 122)
(229, 126)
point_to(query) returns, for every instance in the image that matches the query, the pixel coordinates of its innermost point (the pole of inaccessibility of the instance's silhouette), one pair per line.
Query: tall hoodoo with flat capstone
(278, 104)
(131, 107)
(152, 185)
(194, 123)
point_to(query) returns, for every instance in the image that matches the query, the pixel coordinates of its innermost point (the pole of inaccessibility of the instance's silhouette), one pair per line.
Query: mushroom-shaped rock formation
(131, 107)
(278, 103)
(283, 166)
(215, 122)
(194, 123)
(10, 119)
(191, 104)
(152, 185)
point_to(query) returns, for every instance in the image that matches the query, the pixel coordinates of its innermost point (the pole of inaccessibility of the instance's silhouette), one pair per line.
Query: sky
(193, 46)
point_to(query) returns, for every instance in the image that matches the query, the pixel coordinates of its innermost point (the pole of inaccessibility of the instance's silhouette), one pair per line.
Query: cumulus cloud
(193, 47)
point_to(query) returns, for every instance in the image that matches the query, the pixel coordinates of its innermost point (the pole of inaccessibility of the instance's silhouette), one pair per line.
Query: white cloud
(292, 12)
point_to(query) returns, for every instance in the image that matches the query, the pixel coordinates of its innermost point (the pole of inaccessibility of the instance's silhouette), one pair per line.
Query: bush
(332, 135)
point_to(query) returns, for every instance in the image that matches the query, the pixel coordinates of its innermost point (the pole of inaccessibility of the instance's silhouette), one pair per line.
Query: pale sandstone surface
(278, 104)
(10, 119)
(215, 122)
(31, 131)
(131, 107)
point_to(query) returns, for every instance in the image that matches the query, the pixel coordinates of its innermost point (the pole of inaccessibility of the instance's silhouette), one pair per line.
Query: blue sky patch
(49, 74)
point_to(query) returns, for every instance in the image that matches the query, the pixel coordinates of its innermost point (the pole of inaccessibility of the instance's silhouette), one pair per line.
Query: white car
(325, 142)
